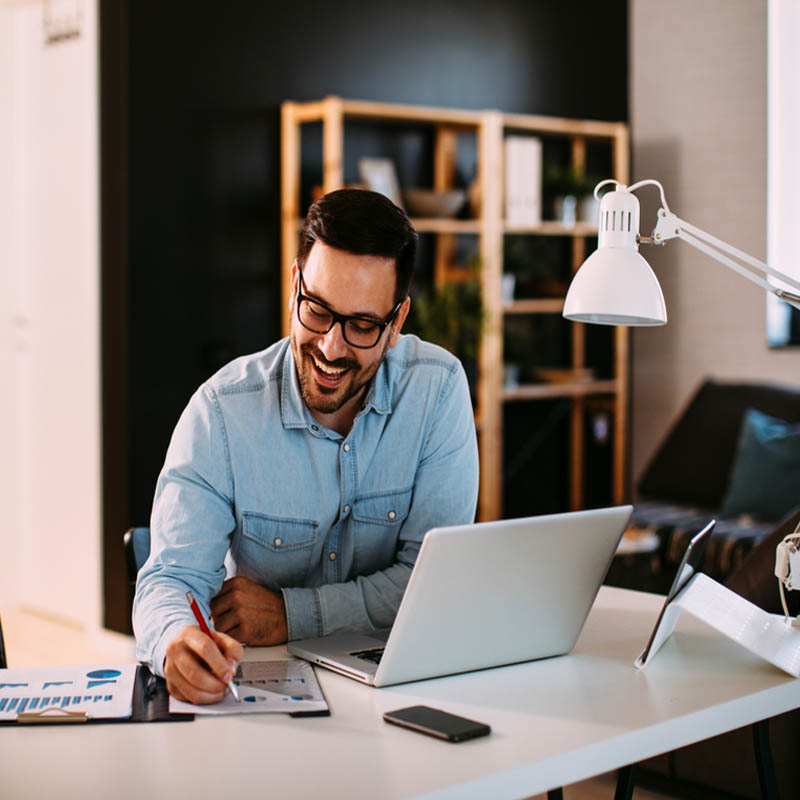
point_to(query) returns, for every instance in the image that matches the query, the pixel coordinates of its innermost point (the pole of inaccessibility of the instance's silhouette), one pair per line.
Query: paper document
(101, 692)
(286, 686)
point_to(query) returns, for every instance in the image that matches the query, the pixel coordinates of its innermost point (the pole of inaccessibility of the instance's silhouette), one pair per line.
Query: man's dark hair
(365, 223)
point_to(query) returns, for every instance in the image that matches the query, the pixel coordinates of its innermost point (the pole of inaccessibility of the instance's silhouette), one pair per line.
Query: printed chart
(100, 692)
(285, 686)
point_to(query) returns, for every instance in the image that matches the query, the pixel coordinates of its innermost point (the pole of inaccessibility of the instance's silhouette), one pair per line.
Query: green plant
(560, 182)
(452, 317)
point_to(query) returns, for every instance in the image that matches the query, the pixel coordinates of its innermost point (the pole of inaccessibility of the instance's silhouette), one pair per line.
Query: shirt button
(315, 427)
(332, 556)
(392, 515)
(347, 448)
(278, 542)
(346, 509)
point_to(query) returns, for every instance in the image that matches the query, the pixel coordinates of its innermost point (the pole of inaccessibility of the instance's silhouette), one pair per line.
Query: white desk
(554, 722)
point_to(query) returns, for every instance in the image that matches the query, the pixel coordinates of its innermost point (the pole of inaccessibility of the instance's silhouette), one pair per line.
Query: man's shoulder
(411, 351)
(250, 373)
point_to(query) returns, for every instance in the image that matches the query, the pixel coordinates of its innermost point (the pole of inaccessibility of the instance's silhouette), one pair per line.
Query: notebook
(484, 595)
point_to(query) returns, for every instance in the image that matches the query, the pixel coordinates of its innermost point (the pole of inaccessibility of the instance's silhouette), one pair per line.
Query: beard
(329, 399)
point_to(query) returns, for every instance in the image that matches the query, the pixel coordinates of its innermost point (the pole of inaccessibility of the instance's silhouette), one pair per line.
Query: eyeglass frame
(343, 319)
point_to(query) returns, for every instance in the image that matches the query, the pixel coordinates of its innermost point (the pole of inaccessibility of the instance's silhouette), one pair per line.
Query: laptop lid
(492, 593)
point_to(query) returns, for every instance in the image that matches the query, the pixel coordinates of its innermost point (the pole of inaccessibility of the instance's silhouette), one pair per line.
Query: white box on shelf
(523, 168)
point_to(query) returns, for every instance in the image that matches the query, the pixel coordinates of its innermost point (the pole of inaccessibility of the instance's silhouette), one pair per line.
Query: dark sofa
(685, 484)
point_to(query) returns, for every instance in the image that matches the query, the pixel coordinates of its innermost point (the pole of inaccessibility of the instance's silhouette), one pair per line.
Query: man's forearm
(365, 603)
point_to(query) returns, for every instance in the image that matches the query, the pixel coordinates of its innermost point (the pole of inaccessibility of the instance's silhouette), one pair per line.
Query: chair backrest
(137, 549)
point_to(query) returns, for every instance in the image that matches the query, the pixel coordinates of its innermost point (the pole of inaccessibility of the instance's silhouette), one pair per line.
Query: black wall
(191, 97)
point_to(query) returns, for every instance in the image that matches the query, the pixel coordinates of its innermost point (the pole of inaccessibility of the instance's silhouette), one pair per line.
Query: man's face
(333, 373)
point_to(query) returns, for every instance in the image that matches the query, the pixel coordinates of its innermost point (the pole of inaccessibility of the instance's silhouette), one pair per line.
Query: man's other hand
(250, 613)
(198, 668)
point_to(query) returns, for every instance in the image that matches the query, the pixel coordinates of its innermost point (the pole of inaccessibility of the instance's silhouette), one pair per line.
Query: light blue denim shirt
(253, 485)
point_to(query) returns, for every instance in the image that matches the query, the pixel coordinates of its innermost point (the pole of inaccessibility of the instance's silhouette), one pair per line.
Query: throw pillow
(765, 478)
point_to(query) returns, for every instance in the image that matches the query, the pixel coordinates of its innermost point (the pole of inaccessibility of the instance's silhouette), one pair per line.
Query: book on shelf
(523, 174)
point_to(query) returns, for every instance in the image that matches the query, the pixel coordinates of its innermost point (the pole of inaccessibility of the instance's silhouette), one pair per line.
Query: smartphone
(437, 723)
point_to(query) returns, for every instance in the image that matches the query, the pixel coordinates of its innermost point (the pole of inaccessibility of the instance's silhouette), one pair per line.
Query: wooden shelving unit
(489, 127)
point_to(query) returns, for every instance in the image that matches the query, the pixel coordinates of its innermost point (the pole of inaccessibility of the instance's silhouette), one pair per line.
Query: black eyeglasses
(361, 332)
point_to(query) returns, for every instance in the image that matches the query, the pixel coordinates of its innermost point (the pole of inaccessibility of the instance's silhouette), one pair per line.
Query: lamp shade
(615, 285)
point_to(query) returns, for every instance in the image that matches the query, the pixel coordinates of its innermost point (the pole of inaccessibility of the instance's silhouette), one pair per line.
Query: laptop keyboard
(373, 654)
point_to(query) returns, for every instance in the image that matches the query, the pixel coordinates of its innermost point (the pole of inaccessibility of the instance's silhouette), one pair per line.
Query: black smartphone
(437, 723)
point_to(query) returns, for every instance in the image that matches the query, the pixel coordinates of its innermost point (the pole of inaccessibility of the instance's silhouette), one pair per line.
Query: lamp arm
(669, 226)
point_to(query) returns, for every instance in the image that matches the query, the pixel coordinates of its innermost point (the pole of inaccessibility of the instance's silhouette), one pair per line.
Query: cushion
(765, 479)
(693, 464)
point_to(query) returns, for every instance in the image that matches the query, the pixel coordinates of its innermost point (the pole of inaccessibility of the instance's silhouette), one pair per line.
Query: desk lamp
(616, 286)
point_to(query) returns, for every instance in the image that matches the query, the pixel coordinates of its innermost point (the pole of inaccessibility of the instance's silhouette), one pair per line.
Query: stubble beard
(329, 399)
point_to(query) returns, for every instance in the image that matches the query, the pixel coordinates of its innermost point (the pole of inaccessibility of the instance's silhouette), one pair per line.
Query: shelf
(542, 305)
(543, 391)
(475, 226)
(444, 225)
(553, 228)
(493, 233)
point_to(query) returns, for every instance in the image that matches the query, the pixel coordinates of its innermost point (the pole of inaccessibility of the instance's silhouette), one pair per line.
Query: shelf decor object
(616, 286)
(491, 222)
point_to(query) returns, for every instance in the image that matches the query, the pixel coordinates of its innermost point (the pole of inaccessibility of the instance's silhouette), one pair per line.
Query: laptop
(484, 595)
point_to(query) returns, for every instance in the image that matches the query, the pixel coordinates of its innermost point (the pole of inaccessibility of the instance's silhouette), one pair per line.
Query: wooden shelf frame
(490, 127)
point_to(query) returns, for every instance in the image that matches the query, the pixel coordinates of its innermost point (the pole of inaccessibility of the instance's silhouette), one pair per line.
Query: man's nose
(332, 344)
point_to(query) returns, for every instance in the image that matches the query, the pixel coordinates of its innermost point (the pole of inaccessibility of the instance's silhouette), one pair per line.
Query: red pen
(198, 615)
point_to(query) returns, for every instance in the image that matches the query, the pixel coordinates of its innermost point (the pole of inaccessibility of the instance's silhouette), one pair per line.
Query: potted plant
(572, 195)
(452, 317)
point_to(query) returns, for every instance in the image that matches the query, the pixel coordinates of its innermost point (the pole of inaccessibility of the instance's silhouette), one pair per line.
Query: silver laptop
(482, 596)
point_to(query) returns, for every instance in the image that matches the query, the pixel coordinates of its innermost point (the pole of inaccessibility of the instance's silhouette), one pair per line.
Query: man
(309, 472)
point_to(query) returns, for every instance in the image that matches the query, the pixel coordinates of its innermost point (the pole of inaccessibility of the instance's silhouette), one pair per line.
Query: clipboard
(149, 703)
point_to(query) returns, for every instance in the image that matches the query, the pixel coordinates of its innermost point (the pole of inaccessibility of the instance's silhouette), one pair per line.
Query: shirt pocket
(377, 520)
(276, 551)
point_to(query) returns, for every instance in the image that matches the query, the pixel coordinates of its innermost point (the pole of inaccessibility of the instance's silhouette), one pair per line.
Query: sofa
(701, 472)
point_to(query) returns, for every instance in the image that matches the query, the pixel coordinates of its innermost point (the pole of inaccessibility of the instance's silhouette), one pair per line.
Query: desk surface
(554, 722)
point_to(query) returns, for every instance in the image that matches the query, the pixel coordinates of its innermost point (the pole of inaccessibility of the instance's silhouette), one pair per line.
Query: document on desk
(284, 686)
(101, 692)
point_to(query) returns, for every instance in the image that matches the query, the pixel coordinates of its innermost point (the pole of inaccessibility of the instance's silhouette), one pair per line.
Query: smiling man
(300, 481)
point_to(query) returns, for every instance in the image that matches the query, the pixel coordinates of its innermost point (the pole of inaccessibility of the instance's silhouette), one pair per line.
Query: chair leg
(764, 764)
(626, 780)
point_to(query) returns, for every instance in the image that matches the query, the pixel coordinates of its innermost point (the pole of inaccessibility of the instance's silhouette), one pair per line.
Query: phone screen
(437, 723)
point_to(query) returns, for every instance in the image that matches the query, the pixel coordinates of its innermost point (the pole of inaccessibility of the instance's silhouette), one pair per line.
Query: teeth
(332, 371)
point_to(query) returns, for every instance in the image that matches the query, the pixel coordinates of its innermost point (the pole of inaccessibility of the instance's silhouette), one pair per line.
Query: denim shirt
(253, 485)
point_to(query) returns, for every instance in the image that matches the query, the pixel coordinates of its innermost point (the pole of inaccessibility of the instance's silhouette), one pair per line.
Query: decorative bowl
(430, 203)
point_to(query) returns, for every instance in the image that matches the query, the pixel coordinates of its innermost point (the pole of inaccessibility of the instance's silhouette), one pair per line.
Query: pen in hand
(198, 615)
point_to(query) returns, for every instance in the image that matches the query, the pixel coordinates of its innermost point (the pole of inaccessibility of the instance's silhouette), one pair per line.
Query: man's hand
(198, 668)
(250, 613)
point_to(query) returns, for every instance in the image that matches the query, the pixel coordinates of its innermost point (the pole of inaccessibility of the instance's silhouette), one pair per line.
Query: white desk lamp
(615, 285)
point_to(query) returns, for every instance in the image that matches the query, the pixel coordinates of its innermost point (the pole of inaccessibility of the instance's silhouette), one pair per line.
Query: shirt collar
(294, 413)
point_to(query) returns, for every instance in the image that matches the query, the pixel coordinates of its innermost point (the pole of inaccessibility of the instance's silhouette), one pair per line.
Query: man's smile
(329, 375)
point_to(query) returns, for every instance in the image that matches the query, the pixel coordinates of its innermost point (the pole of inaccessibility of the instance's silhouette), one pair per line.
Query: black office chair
(137, 549)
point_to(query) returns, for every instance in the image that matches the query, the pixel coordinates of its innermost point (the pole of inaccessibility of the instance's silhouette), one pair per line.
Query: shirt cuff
(160, 650)
(303, 614)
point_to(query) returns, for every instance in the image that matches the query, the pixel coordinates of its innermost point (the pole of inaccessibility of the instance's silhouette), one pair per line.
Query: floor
(33, 639)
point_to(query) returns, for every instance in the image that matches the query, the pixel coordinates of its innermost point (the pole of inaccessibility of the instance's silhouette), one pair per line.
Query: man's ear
(397, 324)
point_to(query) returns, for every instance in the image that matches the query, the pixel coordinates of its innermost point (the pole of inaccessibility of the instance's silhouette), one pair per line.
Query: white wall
(698, 100)
(50, 540)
